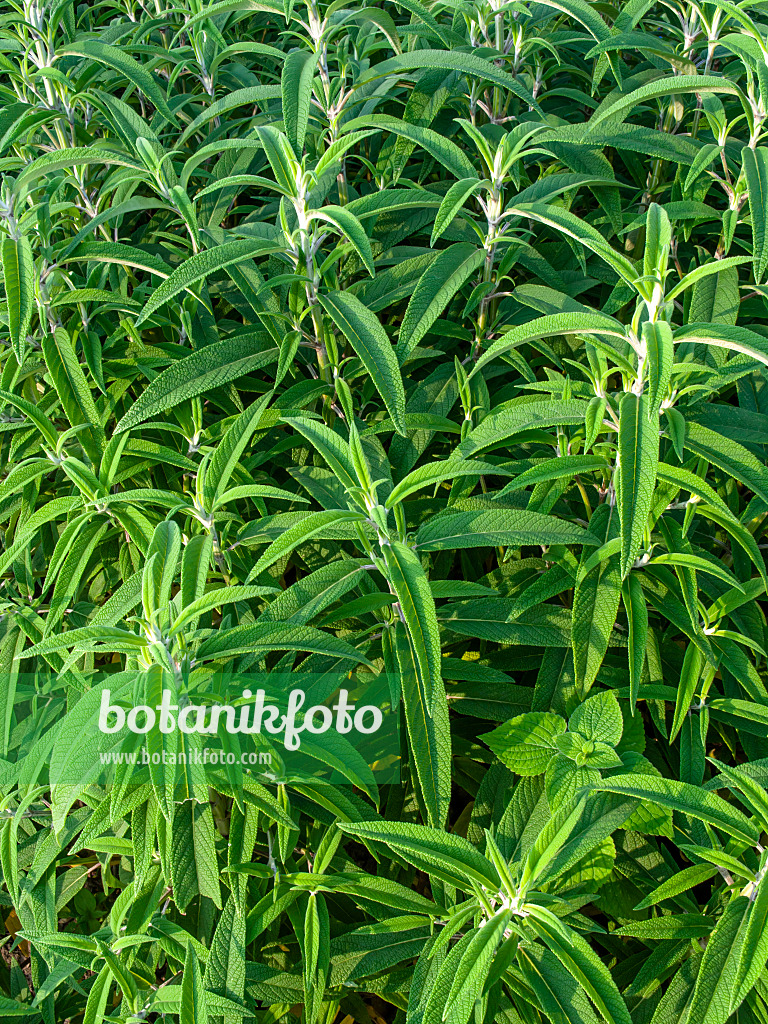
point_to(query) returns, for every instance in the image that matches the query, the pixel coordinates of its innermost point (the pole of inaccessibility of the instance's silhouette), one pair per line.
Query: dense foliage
(419, 343)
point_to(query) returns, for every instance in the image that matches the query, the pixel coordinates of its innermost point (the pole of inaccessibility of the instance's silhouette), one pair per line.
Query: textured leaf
(636, 477)
(369, 340)
(296, 85)
(19, 281)
(208, 368)
(452, 530)
(199, 266)
(438, 285)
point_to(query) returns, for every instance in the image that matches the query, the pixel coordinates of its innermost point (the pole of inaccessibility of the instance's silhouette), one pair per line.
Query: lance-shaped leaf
(637, 620)
(429, 734)
(616, 112)
(296, 86)
(275, 636)
(582, 963)
(754, 949)
(301, 532)
(19, 281)
(74, 392)
(368, 338)
(454, 530)
(725, 336)
(469, 976)
(207, 368)
(730, 456)
(199, 266)
(688, 799)
(576, 322)
(437, 286)
(567, 466)
(464, 63)
(229, 450)
(657, 338)
(755, 163)
(417, 606)
(568, 224)
(716, 982)
(636, 475)
(225, 971)
(444, 854)
(595, 603)
(455, 198)
(347, 224)
(116, 58)
(436, 472)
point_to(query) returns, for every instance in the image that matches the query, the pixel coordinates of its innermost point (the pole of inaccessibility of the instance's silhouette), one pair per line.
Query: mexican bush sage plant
(383, 493)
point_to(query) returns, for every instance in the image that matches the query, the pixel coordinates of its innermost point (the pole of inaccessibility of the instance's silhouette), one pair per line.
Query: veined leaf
(19, 281)
(208, 368)
(688, 799)
(296, 85)
(636, 475)
(755, 162)
(369, 340)
(437, 286)
(199, 266)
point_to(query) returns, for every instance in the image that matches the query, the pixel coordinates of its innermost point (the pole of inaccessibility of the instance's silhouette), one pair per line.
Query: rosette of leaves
(576, 754)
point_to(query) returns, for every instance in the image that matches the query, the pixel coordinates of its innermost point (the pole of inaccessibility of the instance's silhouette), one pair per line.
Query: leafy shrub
(411, 344)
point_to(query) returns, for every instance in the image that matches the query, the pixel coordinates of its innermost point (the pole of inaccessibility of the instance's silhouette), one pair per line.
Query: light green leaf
(437, 286)
(368, 338)
(199, 266)
(19, 281)
(207, 368)
(636, 477)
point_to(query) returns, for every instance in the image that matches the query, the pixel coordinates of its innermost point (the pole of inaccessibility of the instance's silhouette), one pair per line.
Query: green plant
(412, 346)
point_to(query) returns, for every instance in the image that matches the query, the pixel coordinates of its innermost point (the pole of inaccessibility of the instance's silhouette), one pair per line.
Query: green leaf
(526, 744)
(350, 227)
(436, 472)
(225, 971)
(729, 456)
(725, 336)
(443, 854)
(72, 387)
(19, 281)
(229, 451)
(120, 61)
(296, 87)
(302, 531)
(275, 636)
(755, 163)
(453, 201)
(637, 620)
(368, 338)
(754, 947)
(715, 983)
(199, 266)
(465, 63)
(688, 799)
(657, 338)
(582, 963)
(454, 530)
(636, 477)
(194, 1001)
(573, 227)
(678, 85)
(437, 286)
(408, 582)
(202, 371)
(595, 603)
